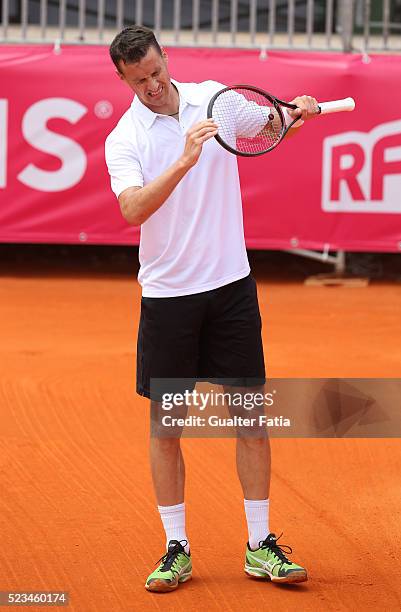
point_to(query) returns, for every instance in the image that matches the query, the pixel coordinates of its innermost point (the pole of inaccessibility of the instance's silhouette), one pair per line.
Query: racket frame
(276, 103)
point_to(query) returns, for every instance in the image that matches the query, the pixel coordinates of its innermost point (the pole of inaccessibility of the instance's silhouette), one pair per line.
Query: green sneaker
(269, 561)
(175, 567)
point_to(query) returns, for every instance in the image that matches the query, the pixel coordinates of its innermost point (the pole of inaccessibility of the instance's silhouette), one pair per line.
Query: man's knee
(165, 445)
(250, 443)
(166, 424)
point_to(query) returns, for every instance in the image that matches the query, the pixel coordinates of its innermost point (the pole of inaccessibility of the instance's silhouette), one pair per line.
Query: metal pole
(43, 18)
(100, 19)
(158, 18)
(337, 260)
(234, 20)
(309, 21)
(120, 15)
(272, 21)
(346, 13)
(5, 18)
(81, 19)
(195, 21)
(177, 20)
(138, 12)
(24, 18)
(329, 22)
(61, 19)
(339, 266)
(290, 21)
(366, 24)
(386, 19)
(215, 20)
(252, 20)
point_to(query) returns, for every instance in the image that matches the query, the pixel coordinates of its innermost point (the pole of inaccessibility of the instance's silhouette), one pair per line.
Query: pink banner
(336, 184)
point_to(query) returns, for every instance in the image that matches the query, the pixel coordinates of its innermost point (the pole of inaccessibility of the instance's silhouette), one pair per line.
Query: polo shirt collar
(148, 117)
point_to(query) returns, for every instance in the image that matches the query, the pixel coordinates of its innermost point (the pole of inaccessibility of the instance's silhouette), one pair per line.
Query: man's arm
(139, 203)
(249, 124)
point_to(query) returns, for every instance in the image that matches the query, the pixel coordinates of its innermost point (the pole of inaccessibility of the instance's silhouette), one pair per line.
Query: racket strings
(248, 121)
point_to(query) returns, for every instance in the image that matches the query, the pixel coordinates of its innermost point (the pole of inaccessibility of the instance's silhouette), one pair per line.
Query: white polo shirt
(195, 241)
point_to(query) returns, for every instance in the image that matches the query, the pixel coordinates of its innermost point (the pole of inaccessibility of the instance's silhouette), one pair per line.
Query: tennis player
(199, 309)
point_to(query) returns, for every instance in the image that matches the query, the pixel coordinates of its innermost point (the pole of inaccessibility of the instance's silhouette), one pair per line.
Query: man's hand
(197, 135)
(139, 203)
(307, 109)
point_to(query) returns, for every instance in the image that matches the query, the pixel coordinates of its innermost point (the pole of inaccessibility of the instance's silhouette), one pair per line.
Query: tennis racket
(252, 121)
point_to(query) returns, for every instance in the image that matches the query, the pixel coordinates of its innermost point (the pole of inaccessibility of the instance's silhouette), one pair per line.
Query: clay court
(77, 506)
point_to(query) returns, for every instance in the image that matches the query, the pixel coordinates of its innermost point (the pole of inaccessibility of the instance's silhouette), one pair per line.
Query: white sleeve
(238, 117)
(250, 118)
(123, 164)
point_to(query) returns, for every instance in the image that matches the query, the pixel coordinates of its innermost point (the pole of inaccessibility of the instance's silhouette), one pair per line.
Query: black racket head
(250, 121)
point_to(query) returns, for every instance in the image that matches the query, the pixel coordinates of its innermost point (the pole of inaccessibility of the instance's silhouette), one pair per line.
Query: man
(199, 309)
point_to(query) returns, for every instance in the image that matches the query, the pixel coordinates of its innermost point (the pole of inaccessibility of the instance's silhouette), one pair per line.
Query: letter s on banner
(72, 155)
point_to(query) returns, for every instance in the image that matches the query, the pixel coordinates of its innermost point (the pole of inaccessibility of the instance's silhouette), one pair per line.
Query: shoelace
(171, 555)
(271, 543)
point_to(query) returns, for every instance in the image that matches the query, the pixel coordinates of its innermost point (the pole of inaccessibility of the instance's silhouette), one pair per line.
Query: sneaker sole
(161, 586)
(299, 576)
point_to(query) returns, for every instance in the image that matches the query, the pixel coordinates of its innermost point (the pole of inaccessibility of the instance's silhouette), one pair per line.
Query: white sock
(173, 519)
(257, 518)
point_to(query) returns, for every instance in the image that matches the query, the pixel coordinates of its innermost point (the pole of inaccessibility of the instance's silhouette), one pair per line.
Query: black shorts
(214, 335)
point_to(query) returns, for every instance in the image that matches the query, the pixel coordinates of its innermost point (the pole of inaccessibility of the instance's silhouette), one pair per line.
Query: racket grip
(337, 106)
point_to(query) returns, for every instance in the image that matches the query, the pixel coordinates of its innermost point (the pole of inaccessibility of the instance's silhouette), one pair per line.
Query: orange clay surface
(77, 507)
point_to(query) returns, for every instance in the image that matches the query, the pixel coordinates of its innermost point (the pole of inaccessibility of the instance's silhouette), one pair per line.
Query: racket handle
(337, 106)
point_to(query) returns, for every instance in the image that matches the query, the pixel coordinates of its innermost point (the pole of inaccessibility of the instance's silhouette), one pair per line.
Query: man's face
(149, 78)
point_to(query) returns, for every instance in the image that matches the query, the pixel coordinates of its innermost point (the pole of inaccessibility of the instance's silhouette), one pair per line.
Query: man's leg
(233, 349)
(167, 463)
(253, 466)
(168, 471)
(253, 459)
(167, 351)
(264, 557)
(168, 474)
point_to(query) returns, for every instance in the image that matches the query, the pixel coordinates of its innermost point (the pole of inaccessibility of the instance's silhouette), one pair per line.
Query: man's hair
(132, 44)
